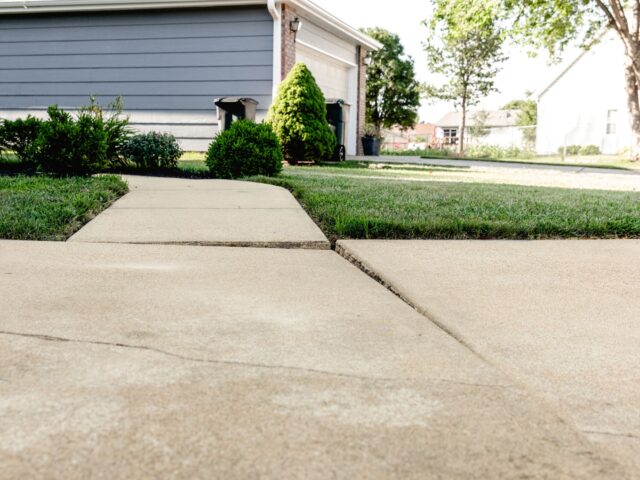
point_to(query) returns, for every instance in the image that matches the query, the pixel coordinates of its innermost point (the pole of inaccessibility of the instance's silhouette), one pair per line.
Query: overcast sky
(403, 17)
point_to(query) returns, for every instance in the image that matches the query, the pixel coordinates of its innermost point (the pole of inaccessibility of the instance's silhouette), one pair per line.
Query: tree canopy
(393, 93)
(555, 24)
(465, 47)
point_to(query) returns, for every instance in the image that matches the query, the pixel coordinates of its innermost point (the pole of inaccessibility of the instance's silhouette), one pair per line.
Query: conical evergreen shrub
(298, 116)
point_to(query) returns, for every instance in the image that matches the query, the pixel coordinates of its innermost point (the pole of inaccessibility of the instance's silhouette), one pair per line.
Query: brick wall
(362, 97)
(288, 41)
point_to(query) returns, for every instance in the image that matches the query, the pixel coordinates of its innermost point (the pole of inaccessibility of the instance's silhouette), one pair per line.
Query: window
(450, 136)
(612, 122)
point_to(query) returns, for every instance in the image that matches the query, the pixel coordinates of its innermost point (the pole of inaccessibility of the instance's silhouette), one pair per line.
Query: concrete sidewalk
(563, 317)
(452, 162)
(204, 212)
(148, 361)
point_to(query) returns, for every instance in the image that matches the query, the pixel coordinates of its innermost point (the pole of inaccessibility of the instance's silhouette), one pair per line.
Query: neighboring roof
(495, 118)
(307, 7)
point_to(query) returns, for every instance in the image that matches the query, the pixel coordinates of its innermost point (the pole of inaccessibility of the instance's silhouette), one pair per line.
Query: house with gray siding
(169, 59)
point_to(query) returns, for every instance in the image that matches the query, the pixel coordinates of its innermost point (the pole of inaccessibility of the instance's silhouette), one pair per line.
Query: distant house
(586, 103)
(419, 137)
(500, 127)
(169, 59)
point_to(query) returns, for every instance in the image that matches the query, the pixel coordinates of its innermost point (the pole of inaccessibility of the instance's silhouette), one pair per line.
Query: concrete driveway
(562, 317)
(147, 361)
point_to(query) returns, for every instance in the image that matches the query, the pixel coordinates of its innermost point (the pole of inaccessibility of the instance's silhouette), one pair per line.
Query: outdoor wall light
(295, 25)
(366, 61)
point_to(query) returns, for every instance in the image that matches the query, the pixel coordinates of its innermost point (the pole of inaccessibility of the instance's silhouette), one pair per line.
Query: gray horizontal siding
(149, 103)
(168, 65)
(128, 61)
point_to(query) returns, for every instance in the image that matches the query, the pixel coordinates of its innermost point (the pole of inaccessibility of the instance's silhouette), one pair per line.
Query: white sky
(403, 17)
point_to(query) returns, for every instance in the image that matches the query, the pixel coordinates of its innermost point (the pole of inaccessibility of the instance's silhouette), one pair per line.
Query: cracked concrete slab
(204, 212)
(191, 362)
(561, 316)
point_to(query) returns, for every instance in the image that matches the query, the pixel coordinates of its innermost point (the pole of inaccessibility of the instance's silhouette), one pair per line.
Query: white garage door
(331, 75)
(336, 79)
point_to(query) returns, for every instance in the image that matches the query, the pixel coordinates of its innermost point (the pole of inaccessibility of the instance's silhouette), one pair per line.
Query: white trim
(315, 13)
(334, 24)
(35, 6)
(326, 54)
(275, 10)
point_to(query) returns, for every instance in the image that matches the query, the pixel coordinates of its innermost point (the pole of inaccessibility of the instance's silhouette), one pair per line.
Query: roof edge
(333, 23)
(313, 11)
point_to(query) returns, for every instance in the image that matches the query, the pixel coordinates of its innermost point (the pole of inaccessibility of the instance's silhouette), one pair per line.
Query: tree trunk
(633, 104)
(463, 126)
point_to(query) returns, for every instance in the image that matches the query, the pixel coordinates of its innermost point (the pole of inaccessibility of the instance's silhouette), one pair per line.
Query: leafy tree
(464, 46)
(528, 117)
(555, 24)
(393, 93)
(479, 128)
(298, 117)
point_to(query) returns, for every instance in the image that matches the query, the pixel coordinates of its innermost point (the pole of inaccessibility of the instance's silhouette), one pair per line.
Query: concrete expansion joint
(319, 245)
(235, 363)
(613, 434)
(344, 253)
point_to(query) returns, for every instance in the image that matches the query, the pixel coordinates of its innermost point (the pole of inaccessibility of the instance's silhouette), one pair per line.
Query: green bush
(245, 149)
(589, 150)
(68, 146)
(498, 152)
(571, 150)
(65, 145)
(153, 150)
(299, 118)
(18, 136)
(117, 129)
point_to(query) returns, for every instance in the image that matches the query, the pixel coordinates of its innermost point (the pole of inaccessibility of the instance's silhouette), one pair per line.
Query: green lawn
(47, 208)
(369, 204)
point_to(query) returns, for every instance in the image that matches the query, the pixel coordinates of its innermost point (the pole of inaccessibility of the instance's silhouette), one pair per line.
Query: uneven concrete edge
(368, 269)
(352, 257)
(308, 245)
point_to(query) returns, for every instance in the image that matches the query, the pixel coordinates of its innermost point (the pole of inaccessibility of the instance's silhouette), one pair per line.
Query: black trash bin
(338, 117)
(234, 108)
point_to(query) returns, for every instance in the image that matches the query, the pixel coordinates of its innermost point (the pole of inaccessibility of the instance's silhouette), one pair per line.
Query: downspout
(276, 13)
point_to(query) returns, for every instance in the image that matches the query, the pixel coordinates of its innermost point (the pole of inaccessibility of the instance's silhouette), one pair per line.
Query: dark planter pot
(371, 146)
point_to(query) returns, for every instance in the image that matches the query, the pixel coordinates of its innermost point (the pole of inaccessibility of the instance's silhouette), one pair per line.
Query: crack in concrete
(235, 363)
(612, 434)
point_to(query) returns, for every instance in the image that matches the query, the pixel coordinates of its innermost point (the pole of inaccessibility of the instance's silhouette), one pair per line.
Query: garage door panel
(331, 76)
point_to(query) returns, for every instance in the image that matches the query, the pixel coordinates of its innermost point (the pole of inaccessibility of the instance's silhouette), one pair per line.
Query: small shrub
(65, 145)
(153, 150)
(589, 150)
(117, 128)
(298, 117)
(68, 146)
(18, 136)
(571, 150)
(498, 152)
(245, 149)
